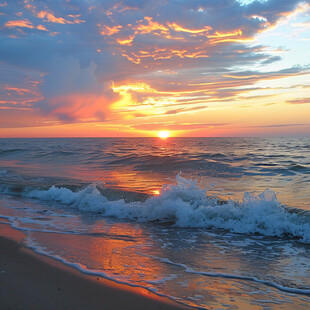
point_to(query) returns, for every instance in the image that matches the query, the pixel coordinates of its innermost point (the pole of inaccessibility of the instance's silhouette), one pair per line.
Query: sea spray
(187, 205)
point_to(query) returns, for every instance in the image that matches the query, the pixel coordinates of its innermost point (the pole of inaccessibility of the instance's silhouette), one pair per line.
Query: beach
(132, 223)
(155, 154)
(32, 281)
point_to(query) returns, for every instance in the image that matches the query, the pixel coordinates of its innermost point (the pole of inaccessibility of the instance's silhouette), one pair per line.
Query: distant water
(209, 222)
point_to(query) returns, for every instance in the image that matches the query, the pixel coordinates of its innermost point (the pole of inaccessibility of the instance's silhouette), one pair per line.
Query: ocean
(213, 223)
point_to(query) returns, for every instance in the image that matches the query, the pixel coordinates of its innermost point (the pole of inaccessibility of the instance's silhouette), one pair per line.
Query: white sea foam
(238, 277)
(162, 279)
(189, 206)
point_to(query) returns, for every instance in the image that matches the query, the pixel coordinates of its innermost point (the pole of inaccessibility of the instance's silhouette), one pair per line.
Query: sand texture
(32, 281)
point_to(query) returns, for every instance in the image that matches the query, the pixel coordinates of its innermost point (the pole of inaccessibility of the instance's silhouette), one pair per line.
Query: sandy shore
(32, 281)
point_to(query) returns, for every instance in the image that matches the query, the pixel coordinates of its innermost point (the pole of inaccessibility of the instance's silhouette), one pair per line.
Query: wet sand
(32, 281)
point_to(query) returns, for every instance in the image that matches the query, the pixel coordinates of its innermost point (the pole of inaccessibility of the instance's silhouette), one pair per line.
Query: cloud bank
(80, 61)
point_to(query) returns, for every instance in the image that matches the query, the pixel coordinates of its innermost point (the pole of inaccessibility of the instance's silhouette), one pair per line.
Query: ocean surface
(214, 223)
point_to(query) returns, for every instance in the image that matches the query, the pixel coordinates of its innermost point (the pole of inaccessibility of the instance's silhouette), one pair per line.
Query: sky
(204, 68)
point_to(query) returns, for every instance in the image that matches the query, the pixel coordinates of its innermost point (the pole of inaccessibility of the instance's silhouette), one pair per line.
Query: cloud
(87, 57)
(186, 110)
(299, 101)
(73, 93)
(279, 125)
(19, 23)
(176, 127)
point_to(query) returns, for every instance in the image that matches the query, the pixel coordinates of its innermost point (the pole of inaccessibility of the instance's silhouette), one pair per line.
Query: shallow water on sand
(223, 241)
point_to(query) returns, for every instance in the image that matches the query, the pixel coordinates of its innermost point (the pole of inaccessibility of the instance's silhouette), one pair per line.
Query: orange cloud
(138, 87)
(134, 60)
(80, 107)
(15, 108)
(236, 36)
(50, 17)
(165, 53)
(19, 23)
(178, 28)
(41, 27)
(188, 48)
(222, 35)
(126, 41)
(26, 95)
(19, 91)
(150, 27)
(108, 31)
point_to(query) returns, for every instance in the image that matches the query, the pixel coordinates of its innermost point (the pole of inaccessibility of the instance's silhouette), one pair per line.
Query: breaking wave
(187, 205)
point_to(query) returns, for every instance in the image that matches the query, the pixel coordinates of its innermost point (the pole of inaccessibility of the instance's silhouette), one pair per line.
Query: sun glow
(164, 134)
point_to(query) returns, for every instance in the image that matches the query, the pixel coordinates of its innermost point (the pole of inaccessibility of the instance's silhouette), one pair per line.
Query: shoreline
(29, 280)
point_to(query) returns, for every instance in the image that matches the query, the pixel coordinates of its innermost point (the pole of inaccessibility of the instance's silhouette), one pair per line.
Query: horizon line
(122, 137)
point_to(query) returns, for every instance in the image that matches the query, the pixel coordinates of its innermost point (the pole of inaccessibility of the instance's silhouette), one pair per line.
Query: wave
(295, 290)
(9, 151)
(187, 205)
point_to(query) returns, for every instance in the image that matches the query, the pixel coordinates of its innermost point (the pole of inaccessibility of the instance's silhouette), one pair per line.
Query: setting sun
(164, 134)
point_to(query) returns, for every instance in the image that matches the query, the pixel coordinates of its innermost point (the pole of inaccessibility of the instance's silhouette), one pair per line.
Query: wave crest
(187, 205)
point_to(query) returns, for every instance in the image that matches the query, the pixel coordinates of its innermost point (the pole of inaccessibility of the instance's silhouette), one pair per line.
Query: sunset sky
(96, 68)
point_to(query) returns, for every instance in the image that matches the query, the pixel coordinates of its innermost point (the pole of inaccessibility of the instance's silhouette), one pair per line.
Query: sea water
(214, 223)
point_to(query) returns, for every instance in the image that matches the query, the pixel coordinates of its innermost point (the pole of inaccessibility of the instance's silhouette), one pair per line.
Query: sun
(163, 134)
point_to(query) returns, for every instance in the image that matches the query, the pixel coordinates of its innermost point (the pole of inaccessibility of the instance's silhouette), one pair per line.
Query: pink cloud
(25, 23)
